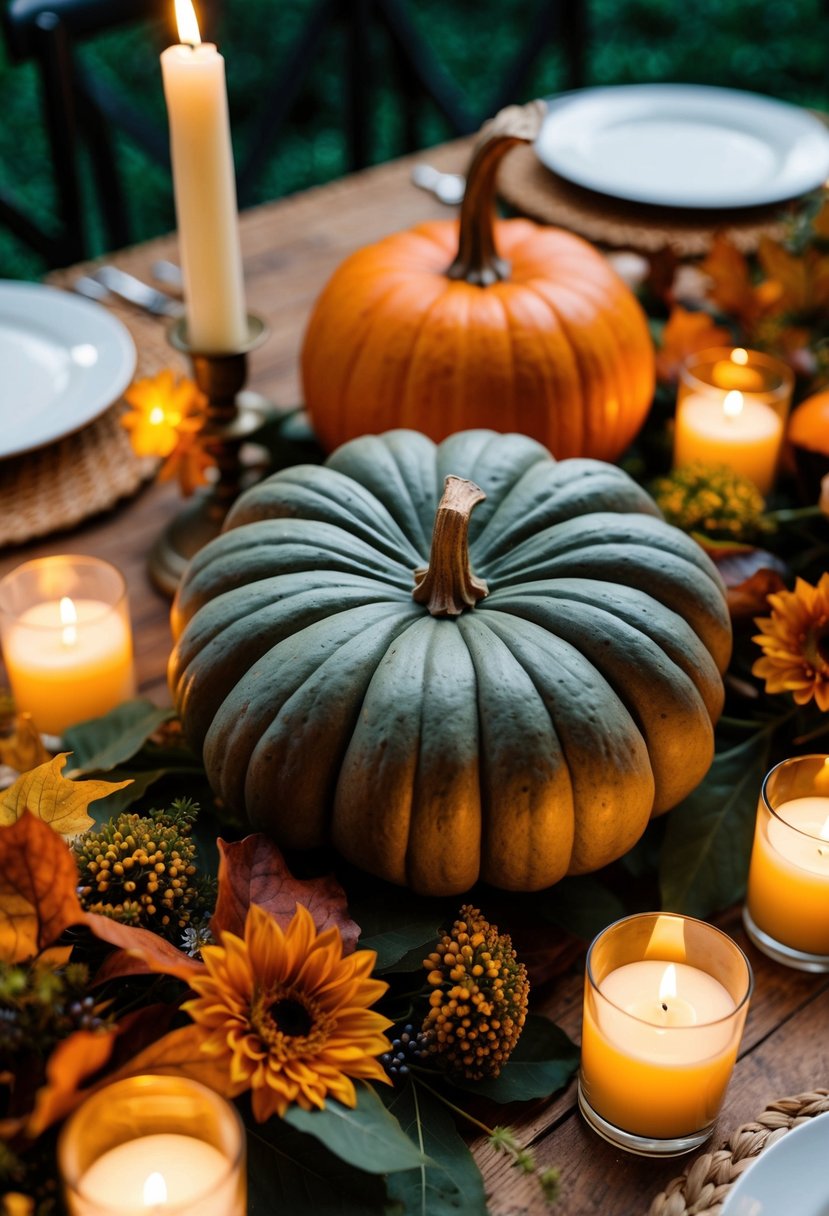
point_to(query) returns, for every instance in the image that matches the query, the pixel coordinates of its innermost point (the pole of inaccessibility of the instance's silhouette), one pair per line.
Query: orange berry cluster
(478, 1002)
(141, 870)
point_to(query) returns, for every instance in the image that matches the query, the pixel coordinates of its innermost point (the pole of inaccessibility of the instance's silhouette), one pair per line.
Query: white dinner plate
(63, 361)
(787, 1179)
(680, 145)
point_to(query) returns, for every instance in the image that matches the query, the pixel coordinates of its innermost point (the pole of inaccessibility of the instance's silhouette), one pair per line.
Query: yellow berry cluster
(478, 1002)
(141, 871)
(713, 500)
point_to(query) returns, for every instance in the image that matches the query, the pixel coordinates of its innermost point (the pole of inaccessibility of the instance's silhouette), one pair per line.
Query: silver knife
(136, 291)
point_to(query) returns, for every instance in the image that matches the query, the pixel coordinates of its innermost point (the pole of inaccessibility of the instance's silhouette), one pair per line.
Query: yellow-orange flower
(161, 407)
(289, 1014)
(795, 643)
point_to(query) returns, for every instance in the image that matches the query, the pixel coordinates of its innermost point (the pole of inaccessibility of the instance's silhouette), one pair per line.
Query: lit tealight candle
(732, 430)
(154, 1172)
(731, 410)
(660, 1034)
(735, 372)
(68, 656)
(205, 189)
(151, 1145)
(787, 907)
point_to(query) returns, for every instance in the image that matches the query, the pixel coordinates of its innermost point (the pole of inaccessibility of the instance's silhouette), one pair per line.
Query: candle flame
(733, 404)
(68, 619)
(156, 416)
(188, 26)
(738, 355)
(155, 1191)
(667, 985)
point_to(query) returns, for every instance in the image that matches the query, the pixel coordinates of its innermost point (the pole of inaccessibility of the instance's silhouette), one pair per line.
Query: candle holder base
(232, 418)
(797, 959)
(641, 1146)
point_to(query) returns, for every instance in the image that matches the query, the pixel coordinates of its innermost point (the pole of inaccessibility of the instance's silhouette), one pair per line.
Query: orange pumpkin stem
(477, 259)
(447, 585)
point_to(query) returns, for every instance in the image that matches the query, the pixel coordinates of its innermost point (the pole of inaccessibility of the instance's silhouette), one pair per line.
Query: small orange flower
(795, 643)
(161, 407)
(290, 1015)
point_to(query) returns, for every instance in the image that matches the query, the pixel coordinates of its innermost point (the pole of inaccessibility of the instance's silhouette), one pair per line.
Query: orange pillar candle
(67, 646)
(787, 907)
(665, 1004)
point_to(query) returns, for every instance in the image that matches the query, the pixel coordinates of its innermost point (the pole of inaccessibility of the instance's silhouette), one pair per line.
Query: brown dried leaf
(38, 877)
(803, 278)
(253, 871)
(140, 951)
(53, 799)
(750, 576)
(75, 1059)
(180, 1053)
(684, 334)
(21, 747)
(732, 287)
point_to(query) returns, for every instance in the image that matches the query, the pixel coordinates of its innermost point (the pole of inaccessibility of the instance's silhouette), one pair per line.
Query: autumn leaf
(141, 951)
(684, 334)
(20, 744)
(54, 799)
(180, 1054)
(802, 279)
(38, 879)
(732, 289)
(253, 871)
(74, 1059)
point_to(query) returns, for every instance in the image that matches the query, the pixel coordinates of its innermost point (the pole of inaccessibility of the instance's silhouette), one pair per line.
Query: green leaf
(100, 744)
(367, 1136)
(448, 1182)
(405, 945)
(583, 906)
(544, 1060)
(294, 1175)
(122, 800)
(705, 856)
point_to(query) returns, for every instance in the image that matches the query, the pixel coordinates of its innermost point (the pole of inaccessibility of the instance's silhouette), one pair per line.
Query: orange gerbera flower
(795, 642)
(289, 1014)
(161, 407)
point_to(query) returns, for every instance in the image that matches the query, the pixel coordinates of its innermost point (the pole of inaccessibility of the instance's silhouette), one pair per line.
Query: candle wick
(664, 1007)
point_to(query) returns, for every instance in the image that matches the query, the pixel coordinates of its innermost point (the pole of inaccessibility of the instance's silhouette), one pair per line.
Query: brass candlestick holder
(233, 416)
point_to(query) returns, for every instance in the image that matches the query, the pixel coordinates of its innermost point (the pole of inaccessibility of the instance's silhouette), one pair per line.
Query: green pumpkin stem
(447, 585)
(477, 260)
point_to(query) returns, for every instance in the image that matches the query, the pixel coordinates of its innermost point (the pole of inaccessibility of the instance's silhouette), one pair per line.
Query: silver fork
(136, 291)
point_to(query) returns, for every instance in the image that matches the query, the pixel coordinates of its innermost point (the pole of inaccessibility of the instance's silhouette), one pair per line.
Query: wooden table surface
(290, 248)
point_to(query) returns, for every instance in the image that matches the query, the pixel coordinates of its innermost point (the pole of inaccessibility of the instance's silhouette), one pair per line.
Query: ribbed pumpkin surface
(559, 351)
(530, 737)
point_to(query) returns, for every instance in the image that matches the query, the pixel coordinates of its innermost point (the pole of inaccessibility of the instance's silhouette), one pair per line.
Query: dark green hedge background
(769, 46)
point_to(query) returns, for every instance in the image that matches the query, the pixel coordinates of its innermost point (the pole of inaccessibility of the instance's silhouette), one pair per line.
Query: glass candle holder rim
(726, 1017)
(716, 354)
(765, 801)
(68, 558)
(234, 1162)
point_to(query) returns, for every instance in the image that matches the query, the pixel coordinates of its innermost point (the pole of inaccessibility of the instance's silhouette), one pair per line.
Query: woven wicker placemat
(59, 486)
(703, 1188)
(531, 189)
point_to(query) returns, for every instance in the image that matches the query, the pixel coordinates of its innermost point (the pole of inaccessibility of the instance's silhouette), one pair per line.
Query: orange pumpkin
(809, 424)
(503, 324)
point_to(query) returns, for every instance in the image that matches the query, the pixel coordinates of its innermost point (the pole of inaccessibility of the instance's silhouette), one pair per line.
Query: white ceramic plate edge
(571, 115)
(95, 327)
(786, 1164)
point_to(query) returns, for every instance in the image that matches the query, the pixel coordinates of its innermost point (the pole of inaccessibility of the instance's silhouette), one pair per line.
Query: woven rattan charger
(703, 1188)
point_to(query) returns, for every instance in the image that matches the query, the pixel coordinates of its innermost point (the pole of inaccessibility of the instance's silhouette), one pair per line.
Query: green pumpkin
(528, 731)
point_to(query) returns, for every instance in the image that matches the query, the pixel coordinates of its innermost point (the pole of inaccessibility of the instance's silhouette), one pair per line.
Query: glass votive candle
(787, 907)
(67, 645)
(731, 410)
(154, 1144)
(665, 1003)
